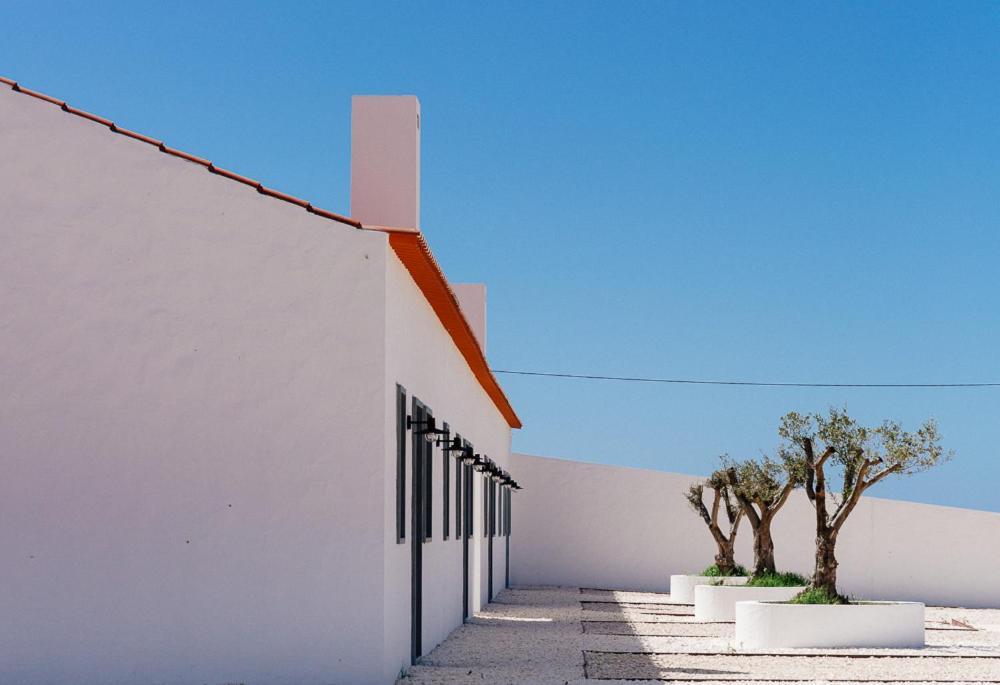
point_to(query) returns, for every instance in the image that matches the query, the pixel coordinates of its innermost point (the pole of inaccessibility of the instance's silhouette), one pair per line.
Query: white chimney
(472, 300)
(385, 160)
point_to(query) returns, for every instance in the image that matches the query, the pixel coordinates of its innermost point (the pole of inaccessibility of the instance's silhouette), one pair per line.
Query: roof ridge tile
(282, 196)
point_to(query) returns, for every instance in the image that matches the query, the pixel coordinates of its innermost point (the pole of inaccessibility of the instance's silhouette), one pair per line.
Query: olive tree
(722, 500)
(762, 486)
(864, 456)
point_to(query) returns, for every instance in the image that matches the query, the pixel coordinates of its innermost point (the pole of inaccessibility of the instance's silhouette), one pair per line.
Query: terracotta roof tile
(408, 244)
(137, 136)
(180, 153)
(233, 176)
(88, 115)
(282, 196)
(331, 215)
(413, 251)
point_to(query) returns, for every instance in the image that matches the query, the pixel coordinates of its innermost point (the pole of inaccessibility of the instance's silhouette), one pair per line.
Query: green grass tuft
(713, 571)
(778, 580)
(815, 595)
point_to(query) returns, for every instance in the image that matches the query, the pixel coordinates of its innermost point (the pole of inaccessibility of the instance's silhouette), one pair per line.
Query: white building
(207, 470)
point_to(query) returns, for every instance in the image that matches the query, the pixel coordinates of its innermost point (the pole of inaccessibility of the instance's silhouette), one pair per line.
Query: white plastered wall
(616, 527)
(422, 357)
(190, 422)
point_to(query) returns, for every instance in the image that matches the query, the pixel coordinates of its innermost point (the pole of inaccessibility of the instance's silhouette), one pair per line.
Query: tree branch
(810, 471)
(883, 473)
(782, 498)
(858, 488)
(745, 503)
(715, 507)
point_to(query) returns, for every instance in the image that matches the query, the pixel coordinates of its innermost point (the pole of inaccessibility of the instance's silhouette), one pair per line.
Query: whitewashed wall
(615, 527)
(183, 418)
(421, 356)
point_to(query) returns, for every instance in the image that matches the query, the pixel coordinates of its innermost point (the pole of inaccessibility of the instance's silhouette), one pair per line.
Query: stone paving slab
(539, 636)
(858, 668)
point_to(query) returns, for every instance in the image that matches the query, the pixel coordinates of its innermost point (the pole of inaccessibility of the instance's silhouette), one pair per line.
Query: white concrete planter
(718, 602)
(682, 587)
(766, 625)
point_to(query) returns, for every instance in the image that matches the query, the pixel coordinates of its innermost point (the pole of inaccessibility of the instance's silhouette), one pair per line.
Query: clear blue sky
(794, 192)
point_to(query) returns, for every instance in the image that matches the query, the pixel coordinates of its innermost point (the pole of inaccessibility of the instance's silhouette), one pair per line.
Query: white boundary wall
(616, 527)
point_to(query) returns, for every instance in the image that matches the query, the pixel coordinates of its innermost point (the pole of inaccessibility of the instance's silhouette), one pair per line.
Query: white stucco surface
(614, 527)
(183, 411)
(421, 356)
(197, 429)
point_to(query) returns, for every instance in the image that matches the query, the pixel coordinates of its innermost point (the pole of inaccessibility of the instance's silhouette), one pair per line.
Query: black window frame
(400, 464)
(470, 494)
(458, 492)
(428, 448)
(446, 487)
(493, 508)
(486, 506)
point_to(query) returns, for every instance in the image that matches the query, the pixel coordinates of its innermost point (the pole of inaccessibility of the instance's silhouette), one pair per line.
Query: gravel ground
(574, 636)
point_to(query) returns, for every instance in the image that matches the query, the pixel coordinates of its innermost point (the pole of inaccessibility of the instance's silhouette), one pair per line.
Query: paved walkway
(574, 636)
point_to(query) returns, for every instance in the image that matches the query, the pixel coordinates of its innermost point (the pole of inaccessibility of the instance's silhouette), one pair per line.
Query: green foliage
(817, 595)
(778, 580)
(713, 571)
(865, 454)
(762, 481)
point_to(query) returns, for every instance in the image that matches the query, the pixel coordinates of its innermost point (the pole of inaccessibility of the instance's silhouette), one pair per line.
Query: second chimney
(385, 160)
(472, 300)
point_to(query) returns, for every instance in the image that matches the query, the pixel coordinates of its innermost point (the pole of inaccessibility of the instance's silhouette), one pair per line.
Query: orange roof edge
(408, 244)
(412, 250)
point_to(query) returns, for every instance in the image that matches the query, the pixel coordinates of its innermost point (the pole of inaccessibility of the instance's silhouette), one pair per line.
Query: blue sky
(789, 192)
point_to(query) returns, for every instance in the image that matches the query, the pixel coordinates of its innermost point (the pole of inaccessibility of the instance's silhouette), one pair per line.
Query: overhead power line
(690, 381)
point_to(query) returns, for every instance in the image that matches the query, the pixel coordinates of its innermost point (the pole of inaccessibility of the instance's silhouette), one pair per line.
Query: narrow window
(493, 508)
(428, 449)
(446, 490)
(486, 506)
(506, 513)
(468, 511)
(458, 495)
(510, 518)
(400, 464)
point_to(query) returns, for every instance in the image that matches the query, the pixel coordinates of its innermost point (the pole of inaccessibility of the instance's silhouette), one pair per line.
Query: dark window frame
(400, 464)
(486, 506)
(458, 492)
(493, 508)
(470, 495)
(428, 453)
(446, 486)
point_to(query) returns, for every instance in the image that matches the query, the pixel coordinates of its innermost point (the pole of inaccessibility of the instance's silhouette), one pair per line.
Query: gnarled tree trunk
(763, 548)
(725, 559)
(825, 574)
